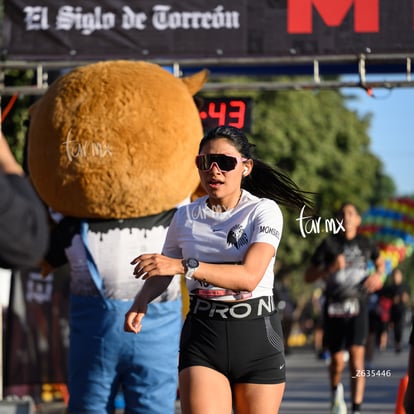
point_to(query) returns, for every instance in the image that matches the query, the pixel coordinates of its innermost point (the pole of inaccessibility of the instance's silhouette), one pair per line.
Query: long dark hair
(264, 181)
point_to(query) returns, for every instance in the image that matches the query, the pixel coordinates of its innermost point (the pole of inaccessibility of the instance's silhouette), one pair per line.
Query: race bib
(344, 309)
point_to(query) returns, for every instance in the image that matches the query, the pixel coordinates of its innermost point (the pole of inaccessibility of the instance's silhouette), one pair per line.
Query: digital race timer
(226, 111)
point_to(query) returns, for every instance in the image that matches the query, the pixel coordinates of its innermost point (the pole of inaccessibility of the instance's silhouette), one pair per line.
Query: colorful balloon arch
(392, 227)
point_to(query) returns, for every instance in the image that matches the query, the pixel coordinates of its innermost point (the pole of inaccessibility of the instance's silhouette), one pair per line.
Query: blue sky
(392, 131)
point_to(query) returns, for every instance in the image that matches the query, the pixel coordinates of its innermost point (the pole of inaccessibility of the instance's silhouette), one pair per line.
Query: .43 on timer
(234, 112)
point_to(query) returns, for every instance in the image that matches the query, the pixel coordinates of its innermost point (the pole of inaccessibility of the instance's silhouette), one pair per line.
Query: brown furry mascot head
(116, 139)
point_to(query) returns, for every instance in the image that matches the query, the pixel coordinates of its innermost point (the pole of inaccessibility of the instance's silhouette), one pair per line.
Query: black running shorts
(341, 333)
(244, 344)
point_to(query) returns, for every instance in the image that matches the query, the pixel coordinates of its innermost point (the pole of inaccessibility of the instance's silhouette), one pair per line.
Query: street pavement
(307, 387)
(308, 391)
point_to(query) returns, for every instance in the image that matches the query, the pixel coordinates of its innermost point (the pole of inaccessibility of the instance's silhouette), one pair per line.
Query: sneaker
(338, 402)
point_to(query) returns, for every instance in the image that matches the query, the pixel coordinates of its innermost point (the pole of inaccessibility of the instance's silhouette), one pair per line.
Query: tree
(325, 148)
(14, 110)
(322, 145)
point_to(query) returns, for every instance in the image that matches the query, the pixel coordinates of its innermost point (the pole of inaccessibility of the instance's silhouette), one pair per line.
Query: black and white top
(359, 252)
(112, 245)
(224, 236)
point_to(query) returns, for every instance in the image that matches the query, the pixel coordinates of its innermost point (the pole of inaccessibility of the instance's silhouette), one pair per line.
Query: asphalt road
(307, 387)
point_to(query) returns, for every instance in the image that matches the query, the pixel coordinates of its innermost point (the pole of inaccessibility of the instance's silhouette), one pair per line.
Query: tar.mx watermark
(77, 149)
(312, 225)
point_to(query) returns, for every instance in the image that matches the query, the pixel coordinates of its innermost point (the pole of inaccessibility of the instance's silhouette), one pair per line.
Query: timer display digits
(234, 112)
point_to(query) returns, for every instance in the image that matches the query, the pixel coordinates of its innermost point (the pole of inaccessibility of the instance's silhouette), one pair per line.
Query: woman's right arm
(152, 288)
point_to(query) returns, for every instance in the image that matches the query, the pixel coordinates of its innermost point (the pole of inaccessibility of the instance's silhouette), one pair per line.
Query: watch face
(192, 263)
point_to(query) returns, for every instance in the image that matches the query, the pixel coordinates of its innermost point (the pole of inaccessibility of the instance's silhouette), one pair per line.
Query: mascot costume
(111, 148)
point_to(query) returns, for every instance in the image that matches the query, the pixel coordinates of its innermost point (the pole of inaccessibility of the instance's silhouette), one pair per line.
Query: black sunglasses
(223, 162)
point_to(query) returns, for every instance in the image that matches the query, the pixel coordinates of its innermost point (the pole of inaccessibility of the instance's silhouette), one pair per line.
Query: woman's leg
(356, 364)
(204, 391)
(258, 398)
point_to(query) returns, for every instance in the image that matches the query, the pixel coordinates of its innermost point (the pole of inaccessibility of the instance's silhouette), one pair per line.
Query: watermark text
(309, 224)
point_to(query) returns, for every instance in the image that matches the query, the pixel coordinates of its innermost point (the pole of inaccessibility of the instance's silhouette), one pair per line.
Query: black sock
(356, 407)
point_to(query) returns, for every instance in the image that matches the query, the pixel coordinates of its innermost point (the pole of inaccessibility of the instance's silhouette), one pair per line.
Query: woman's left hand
(154, 264)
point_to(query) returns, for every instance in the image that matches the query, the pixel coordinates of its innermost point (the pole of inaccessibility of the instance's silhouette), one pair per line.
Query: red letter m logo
(366, 14)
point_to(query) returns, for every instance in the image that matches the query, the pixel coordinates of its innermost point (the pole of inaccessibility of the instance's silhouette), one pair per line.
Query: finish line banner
(199, 29)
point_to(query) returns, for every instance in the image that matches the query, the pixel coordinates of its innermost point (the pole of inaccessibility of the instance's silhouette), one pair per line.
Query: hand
(45, 268)
(154, 264)
(135, 314)
(338, 264)
(373, 283)
(8, 163)
(133, 321)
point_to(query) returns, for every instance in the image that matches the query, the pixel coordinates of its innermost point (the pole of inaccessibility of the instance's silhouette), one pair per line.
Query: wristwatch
(190, 266)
